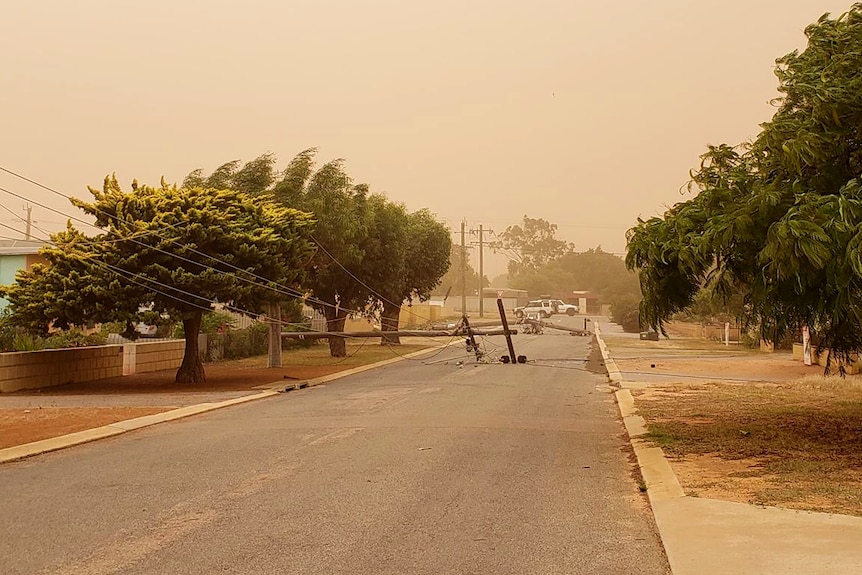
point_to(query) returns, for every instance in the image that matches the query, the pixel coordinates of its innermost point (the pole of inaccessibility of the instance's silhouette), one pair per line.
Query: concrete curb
(614, 374)
(661, 482)
(56, 443)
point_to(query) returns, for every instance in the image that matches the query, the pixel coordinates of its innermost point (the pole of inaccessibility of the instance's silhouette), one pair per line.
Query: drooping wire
(290, 292)
(283, 290)
(297, 294)
(139, 279)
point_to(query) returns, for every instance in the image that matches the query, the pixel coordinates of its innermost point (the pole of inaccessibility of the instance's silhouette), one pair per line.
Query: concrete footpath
(706, 536)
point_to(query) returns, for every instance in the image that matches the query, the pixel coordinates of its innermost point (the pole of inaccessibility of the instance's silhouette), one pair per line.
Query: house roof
(20, 247)
(585, 294)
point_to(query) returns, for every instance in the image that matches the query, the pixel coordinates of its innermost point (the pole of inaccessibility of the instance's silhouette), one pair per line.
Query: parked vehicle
(539, 307)
(545, 308)
(559, 306)
(146, 330)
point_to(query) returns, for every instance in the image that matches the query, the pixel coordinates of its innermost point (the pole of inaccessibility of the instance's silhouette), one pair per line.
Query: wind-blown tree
(341, 212)
(530, 246)
(372, 253)
(166, 250)
(407, 257)
(779, 219)
(254, 177)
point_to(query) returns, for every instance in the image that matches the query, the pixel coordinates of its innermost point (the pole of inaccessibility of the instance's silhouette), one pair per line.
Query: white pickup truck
(560, 306)
(540, 307)
(545, 308)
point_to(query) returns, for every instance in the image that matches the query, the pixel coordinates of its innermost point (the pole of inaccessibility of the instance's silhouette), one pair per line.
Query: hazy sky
(585, 113)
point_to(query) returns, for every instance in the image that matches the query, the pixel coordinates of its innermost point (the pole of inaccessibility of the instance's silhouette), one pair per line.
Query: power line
(267, 285)
(262, 281)
(285, 290)
(138, 279)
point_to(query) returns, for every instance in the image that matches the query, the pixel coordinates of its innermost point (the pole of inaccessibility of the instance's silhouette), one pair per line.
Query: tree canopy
(778, 219)
(405, 259)
(371, 253)
(530, 245)
(166, 250)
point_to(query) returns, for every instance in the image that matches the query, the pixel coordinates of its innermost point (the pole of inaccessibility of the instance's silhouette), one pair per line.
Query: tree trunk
(389, 322)
(335, 323)
(274, 313)
(192, 368)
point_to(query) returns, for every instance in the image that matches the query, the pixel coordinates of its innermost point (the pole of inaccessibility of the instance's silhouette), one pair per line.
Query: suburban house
(17, 255)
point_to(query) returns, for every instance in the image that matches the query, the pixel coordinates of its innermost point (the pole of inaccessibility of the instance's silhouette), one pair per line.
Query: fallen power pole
(401, 333)
(506, 331)
(574, 331)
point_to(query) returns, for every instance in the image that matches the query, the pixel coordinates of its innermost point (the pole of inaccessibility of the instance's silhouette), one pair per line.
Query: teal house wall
(9, 266)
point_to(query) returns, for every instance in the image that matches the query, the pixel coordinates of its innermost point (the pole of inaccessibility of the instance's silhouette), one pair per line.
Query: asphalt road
(421, 467)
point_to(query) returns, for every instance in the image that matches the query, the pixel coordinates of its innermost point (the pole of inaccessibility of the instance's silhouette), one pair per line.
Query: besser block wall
(46, 368)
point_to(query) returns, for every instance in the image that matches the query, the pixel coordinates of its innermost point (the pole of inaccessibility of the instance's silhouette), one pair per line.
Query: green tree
(410, 269)
(778, 220)
(531, 245)
(372, 254)
(170, 251)
(551, 278)
(342, 232)
(594, 270)
(254, 177)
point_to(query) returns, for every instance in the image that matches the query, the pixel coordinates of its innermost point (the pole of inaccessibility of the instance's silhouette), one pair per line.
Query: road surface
(427, 466)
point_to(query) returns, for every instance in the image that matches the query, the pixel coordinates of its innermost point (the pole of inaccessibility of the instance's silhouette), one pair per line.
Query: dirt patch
(712, 477)
(220, 377)
(20, 426)
(741, 425)
(792, 444)
(43, 420)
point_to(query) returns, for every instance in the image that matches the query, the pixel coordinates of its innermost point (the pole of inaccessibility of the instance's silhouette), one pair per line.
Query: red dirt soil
(25, 425)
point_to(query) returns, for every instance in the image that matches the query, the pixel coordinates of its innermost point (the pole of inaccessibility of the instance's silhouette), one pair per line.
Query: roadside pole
(481, 278)
(506, 330)
(274, 324)
(463, 269)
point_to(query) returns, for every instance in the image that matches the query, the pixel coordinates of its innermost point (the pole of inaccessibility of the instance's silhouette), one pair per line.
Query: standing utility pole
(463, 269)
(27, 221)
(481, 231)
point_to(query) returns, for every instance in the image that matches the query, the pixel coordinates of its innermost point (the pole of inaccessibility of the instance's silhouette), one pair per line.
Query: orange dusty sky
(586, 114)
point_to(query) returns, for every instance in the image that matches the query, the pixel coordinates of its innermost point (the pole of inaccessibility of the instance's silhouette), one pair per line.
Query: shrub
(625, 311)
(73, 338)
(247, 342)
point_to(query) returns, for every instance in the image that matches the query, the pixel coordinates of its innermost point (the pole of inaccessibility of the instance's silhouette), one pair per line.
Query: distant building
(16, 255)
(586, 301)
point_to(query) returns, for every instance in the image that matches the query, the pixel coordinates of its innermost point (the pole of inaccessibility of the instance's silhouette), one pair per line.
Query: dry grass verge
(795, 444)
